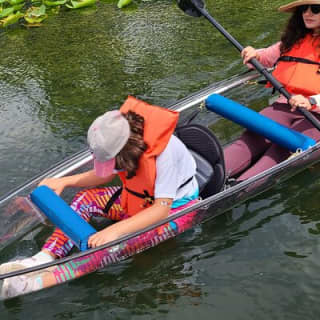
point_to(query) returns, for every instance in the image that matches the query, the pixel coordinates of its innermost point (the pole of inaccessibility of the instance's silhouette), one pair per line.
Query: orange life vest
(298, 77)
(159, 125)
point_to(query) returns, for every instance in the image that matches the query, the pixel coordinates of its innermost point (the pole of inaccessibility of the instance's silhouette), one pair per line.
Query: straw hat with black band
(292, 6)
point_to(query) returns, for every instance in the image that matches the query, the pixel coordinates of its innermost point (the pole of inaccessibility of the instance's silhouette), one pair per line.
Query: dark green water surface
(259, 261)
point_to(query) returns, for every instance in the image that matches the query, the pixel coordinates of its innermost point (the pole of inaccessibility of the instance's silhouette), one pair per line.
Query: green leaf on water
(81, 4)
(123, 3)
(35, 15)
(11, 19)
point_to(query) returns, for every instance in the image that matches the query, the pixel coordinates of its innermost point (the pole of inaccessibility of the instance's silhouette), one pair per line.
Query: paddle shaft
(258, 66)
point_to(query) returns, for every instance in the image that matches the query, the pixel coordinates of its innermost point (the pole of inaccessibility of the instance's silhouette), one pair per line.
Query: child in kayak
(297, 60)
(158, 178)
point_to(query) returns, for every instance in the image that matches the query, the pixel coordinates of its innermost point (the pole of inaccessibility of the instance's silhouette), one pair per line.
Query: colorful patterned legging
(91, 202)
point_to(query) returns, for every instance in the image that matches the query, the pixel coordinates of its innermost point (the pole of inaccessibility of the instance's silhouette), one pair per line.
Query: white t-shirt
(175, 165)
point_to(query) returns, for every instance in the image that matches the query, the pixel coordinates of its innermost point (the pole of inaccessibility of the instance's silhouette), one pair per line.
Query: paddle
(196, 8)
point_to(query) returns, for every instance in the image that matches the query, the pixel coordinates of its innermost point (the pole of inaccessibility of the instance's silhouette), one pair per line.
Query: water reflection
(258, 260)
(61, 76)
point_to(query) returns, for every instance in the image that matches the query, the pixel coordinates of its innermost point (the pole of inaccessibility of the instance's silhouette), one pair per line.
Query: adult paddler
(297, 60)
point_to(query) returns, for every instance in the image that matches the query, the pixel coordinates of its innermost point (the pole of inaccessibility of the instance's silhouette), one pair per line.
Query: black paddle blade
(190, 7)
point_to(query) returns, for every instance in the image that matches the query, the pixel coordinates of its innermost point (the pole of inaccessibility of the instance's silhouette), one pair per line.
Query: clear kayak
(23, 218)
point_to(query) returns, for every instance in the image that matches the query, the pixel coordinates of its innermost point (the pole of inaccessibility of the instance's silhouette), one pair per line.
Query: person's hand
(249, 53)
(56, 184)
(102, 237)
(299, 101)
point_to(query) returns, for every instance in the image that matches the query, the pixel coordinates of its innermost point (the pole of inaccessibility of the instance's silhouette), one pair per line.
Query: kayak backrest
(208, 154)
(205, 170)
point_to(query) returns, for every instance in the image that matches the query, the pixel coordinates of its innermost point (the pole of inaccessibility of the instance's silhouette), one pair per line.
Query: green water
(259, 261)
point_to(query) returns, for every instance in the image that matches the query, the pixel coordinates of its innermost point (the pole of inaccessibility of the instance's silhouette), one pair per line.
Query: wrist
(67, 181)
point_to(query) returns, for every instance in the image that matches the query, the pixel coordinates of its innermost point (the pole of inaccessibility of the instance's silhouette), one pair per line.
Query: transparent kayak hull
(80, 264)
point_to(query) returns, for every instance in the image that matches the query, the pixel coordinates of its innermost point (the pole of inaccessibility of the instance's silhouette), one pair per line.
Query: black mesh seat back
(200, 140)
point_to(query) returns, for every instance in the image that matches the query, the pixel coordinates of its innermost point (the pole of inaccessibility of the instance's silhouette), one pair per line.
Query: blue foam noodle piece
(61, 215)
(258, 123)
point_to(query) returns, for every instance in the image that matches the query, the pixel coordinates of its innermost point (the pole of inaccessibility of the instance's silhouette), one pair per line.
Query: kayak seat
(204, 170)
(208, 154)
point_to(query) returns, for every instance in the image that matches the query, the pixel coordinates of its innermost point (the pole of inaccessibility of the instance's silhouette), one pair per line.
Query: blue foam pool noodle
(62, 216)
(258, 123)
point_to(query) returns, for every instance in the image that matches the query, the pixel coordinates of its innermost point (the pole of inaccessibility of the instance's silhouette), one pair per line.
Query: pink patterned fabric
(81, 266)
(91, 202)
(86, 203)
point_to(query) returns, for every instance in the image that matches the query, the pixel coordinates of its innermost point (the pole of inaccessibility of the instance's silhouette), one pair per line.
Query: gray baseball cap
(107, 135)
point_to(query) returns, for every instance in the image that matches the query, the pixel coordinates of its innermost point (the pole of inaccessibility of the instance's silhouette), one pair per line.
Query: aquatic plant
(35, 15)
(31, 13)
(80, 4)
(123, 3)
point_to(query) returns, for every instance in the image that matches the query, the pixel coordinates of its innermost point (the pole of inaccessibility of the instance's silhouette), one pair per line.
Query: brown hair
(128, 158)
(294, 32)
